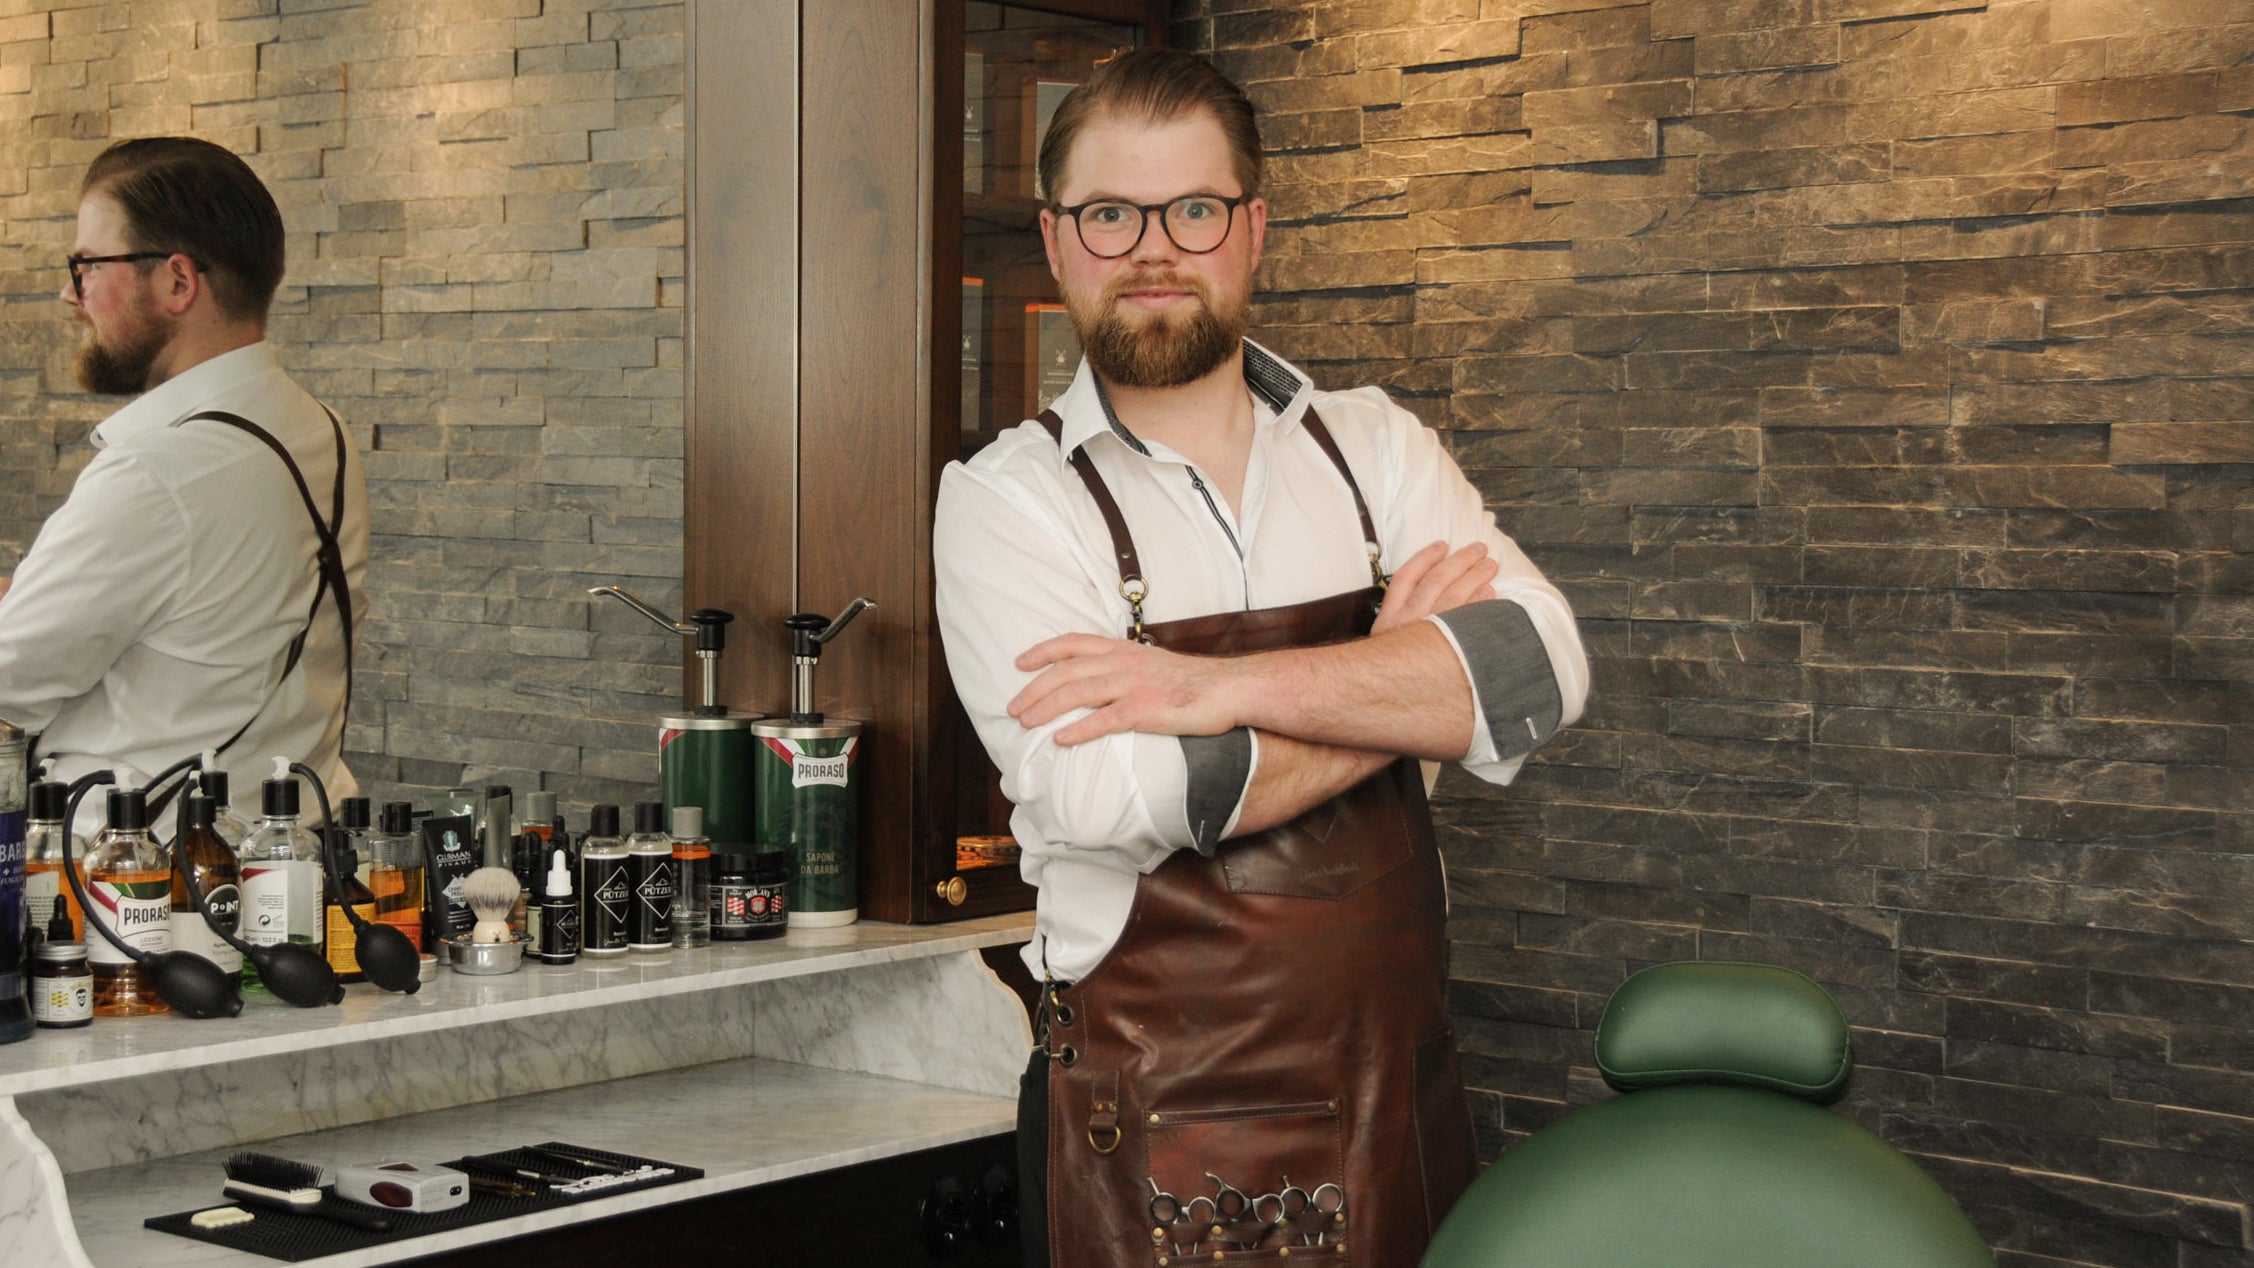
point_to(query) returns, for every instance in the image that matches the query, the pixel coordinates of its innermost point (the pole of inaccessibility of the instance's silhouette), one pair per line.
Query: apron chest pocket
(1247, 1182)
(1328, 852)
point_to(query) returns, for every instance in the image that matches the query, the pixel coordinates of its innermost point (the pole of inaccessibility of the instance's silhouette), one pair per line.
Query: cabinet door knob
(953, 890)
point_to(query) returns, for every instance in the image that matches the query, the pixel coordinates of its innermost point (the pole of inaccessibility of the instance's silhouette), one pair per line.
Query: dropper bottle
(129, 881)
(281, 874)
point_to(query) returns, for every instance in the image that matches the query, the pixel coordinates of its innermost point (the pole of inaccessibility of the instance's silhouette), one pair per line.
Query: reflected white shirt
(152, 615)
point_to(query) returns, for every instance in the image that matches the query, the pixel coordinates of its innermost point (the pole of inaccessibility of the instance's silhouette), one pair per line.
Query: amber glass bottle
(217, 875)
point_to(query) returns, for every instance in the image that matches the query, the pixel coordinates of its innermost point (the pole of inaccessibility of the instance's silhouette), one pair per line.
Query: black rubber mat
(292, 1237)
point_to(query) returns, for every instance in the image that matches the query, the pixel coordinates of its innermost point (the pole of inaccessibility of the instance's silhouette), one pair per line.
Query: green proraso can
(809, 800)
(707, 762)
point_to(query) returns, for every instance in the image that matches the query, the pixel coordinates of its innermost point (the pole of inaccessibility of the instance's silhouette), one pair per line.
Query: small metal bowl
(485, 959)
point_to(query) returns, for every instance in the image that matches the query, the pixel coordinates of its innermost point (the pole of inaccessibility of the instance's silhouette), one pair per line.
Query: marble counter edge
(802, 960)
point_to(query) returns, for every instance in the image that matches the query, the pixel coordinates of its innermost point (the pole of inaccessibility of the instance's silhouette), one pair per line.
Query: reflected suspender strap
(328, 558)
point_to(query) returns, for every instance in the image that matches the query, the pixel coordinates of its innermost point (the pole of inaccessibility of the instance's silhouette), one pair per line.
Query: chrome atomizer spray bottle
(808, 798)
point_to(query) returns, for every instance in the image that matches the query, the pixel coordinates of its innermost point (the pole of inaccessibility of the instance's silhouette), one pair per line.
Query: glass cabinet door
(1018, 351)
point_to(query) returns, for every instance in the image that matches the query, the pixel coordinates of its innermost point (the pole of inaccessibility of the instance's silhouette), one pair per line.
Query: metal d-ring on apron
(1272, 1019)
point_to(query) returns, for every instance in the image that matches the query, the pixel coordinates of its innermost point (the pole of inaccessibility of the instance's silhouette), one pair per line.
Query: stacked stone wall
(1873, 375)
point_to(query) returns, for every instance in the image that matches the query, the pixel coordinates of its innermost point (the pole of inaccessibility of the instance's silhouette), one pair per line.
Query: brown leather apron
(1270, 1022)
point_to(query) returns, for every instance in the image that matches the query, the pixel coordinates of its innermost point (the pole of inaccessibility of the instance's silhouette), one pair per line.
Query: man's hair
(189, 197)
(1154, 85)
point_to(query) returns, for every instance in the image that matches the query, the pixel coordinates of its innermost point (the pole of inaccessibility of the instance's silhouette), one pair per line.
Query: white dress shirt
(154, 612)
(1022, 555)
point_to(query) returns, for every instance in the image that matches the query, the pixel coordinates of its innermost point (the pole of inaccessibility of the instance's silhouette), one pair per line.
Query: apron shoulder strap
(328, 555)
(1131, 581)
(1313, 422)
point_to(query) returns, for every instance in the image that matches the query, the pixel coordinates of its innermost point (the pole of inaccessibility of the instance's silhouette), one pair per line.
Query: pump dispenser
(129, 879)
(807, 795)
(706, 751)
(213, 783)
(218, 876)
(281, 874)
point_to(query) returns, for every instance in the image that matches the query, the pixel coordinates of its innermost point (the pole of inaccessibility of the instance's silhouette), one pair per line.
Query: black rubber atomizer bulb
(385, 954)
(292, 973)
(191, 985)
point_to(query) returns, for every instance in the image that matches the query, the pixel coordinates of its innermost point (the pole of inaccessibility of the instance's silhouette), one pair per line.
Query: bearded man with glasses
(1211, 622)
(198, 590)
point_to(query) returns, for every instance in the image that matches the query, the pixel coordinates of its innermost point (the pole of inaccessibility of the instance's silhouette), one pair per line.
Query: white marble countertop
(793, 1120)
(127, 1049)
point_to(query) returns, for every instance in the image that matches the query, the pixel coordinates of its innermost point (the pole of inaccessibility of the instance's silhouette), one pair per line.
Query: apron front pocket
(1243, 1183)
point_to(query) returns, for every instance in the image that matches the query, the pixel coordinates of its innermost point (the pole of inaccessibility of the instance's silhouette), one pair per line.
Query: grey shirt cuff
(1512, 682)
(1219, 775)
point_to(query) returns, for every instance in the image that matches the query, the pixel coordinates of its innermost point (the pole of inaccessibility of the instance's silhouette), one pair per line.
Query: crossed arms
(1326, 717)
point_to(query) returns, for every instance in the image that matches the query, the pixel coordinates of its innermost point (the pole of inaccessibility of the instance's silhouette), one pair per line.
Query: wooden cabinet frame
(825, 213)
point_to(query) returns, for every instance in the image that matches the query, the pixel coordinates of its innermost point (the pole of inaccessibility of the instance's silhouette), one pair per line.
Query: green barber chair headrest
(1714, 1157)
(1718, 1022)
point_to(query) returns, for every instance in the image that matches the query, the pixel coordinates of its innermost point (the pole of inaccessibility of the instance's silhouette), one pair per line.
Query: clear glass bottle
(44, 885)
(224, 821)
(281, 874)
(218, 876)
(129, 880)
(692, 879)
(397, 871)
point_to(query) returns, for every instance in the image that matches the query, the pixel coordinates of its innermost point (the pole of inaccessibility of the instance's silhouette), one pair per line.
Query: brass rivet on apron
(1154, 1120)
(1217, 1230)
(1158, 1234)
(1283, 1252)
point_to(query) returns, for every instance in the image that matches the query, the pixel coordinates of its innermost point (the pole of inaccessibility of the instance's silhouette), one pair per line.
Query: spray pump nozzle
(709, 625)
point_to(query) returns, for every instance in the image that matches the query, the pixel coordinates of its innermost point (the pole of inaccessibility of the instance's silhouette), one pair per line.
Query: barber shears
(1227, 1219)
(1313, 1215)
(1185, 1224)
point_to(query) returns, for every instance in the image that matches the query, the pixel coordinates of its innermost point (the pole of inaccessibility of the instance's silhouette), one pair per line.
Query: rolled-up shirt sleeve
(1520, 651)
(1007, 576)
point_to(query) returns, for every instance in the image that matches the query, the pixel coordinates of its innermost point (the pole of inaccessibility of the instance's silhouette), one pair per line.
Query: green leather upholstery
(1721, 1022)
(1707, 1174)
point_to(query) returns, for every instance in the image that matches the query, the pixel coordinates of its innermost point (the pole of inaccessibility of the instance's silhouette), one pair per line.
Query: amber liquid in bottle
(341, 937)
(123, 990)
(399, 899)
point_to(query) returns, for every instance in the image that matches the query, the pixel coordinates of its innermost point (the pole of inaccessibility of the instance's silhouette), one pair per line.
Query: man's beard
(1167, 350)
(121, 369)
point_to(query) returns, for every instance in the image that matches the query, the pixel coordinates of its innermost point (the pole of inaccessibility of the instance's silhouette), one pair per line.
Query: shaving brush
(491, 893)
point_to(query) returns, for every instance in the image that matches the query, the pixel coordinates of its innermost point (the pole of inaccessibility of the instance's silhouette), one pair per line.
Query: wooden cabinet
(861, 204)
